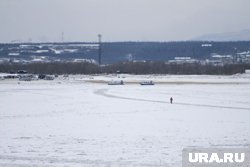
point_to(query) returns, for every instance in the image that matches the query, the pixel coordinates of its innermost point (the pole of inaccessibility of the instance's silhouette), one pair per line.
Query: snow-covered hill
(243, 35)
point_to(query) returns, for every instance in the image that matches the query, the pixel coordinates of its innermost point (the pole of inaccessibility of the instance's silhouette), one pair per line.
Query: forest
(147, 67)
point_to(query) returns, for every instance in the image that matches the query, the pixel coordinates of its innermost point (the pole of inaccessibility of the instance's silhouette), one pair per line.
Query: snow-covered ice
(81, 121)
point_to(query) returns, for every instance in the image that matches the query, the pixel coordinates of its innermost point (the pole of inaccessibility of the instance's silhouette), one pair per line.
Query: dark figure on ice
(171, 100)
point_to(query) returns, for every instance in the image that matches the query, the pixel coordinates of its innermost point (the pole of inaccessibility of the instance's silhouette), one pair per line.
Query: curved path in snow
(103, 92)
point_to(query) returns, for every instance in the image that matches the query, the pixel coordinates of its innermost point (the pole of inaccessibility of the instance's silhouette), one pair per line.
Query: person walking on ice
(171, 100)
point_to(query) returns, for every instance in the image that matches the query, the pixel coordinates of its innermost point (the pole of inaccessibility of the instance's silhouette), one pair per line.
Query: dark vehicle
(41, 76)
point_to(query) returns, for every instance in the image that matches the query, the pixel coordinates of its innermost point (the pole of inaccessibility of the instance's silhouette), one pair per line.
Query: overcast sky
(119, 20)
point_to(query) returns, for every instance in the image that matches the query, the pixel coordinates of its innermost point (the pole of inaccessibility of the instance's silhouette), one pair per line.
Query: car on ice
(25, 78)
(147, 83)
(116, 82)
(28, 77)
(49, 77)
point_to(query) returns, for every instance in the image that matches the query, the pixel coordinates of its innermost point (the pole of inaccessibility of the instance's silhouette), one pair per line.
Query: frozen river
(75, 122)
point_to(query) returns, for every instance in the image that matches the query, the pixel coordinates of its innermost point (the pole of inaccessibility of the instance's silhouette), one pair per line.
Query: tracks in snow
(103, 92)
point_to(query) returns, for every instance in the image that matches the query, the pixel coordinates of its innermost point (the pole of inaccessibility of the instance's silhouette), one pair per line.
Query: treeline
(185, 69)
(52, 68)
(147, 67)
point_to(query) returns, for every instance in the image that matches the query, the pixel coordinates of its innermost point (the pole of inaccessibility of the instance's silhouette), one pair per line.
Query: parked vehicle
(116, 82)
(49, 77)
(147, 83)
(22, 72)
(11, 76)
(41, 76)
(27, 77)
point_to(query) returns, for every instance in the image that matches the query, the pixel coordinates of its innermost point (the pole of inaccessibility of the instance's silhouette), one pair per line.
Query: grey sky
(119, 20)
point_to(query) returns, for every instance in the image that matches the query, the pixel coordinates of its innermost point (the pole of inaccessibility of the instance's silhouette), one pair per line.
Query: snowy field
(81, 121)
